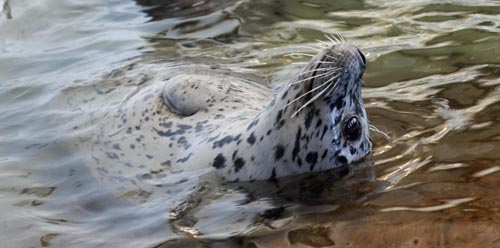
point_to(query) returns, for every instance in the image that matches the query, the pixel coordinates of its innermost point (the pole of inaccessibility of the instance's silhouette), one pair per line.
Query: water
(432, 85)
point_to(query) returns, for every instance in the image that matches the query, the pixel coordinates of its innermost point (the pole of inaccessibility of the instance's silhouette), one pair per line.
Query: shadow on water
(165, 9)
(249, 212)
(193, 19)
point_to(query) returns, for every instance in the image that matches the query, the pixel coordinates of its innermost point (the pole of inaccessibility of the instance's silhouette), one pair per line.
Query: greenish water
(432, 85)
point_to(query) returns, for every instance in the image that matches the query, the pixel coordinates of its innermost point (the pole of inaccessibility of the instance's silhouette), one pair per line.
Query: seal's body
(178, 121)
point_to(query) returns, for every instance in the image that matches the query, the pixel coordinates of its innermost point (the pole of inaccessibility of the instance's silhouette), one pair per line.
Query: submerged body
(192, 117)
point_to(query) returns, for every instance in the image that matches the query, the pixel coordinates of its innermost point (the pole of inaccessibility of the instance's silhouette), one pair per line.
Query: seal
(177, 118)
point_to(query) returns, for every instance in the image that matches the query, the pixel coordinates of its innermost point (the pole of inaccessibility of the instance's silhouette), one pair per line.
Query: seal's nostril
(362, 56)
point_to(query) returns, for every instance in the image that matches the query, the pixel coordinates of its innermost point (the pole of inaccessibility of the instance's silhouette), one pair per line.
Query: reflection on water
(432, 85)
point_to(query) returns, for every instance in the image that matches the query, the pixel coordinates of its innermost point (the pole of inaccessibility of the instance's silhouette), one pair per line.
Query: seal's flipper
(185, 95)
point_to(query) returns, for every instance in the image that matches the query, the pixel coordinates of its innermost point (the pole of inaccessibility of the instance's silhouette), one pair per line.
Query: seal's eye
(352, 129)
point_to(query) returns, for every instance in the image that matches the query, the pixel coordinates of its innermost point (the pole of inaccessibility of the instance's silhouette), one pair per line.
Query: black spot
(280, 124)
(111, 155)
(169, 133)
(252, 124)
(166, 163)
(312, 159)
(309, 118)
(199, 127)
(251, 139)
(226, 140)
(184, 159)
(166, 124)
(319, 122)
(361, 145)
(238, 164)
(284, 94)
(279, 151)
(352, 150)
(182, 126)
(279, 115)
(338, 104)
(219, 161)
(296, 147)
(338, 118)
(132, 146)
(324, 154)
(234, 154)
(268, 132)
(117, 147)
(272, 178)
(149, 156)
(342, 160)
(299, 162)
(325, 128)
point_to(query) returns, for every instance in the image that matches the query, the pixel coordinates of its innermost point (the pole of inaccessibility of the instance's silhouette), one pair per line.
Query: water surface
(432, 85)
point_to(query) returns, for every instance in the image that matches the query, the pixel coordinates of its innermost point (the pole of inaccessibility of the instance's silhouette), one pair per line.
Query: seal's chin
(364, 157)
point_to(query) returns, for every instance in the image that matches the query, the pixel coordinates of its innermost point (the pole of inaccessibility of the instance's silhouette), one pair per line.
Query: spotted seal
(176, 118)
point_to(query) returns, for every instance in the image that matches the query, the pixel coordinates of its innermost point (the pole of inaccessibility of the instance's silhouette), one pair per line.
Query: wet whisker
(312, 90)
(331, 39)
(311, 100)
(321, 70)
(311, 77)
(375, 129)
(299, 54)
(310, 47)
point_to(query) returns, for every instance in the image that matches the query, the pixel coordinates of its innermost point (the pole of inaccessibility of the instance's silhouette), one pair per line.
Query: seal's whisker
(325, 62)
(322, 70)
(312, 77)
(334, 41)
(333, 88)
(339, 37)
(331, 57)
(299, 54)
(324, 43)
(310, 47)
(318, 62)
(344, 38)
(375, 129)
(311, 100)
(326, 74)
(312, 90)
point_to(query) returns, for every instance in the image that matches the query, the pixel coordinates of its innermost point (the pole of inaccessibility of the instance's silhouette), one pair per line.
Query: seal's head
(317, 122)
(334, 85)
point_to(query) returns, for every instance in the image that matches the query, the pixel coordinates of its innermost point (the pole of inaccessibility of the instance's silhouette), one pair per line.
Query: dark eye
(352, 129)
